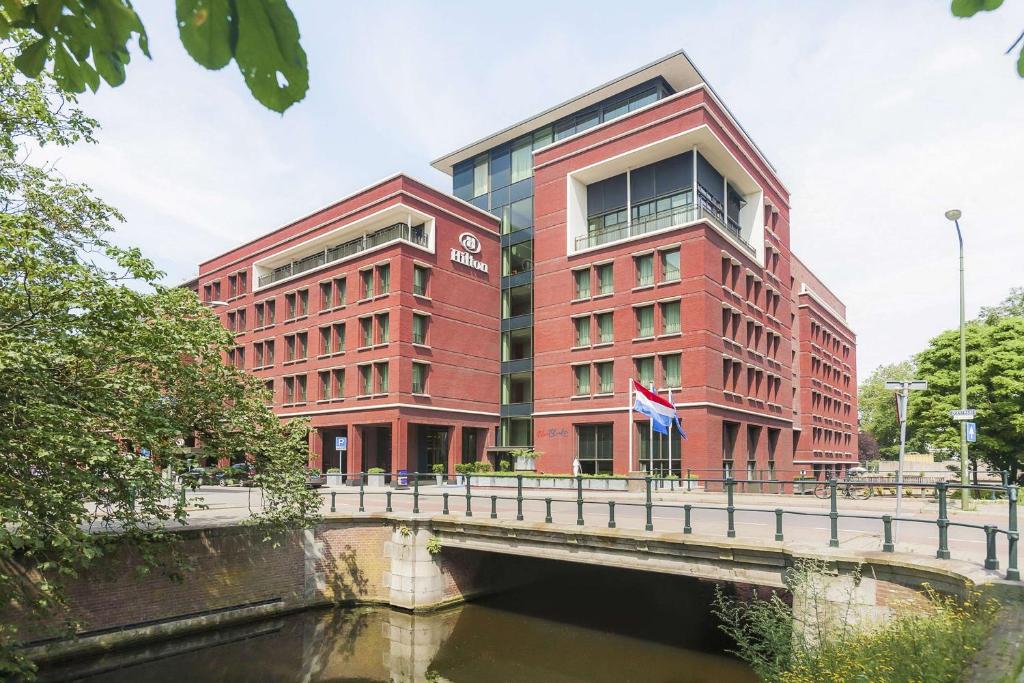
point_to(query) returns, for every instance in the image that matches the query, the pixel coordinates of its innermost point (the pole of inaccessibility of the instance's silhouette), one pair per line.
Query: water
(587, 624)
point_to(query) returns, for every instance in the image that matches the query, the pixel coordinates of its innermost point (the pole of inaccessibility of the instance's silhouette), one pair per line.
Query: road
(805, 521)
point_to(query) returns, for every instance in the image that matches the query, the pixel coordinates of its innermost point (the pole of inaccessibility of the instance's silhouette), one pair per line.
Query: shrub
(438, 468)
(434, 545)
(482, 467)
(375, 470)
(934, 644)
(333, 470)
(505, 466)
(465, 467)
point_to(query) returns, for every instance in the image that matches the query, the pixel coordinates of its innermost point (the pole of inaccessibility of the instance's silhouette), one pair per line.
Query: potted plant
(375, 476)
(526, 459)
(335, 477)
(461, 470)
(438, 469)
(483, 468)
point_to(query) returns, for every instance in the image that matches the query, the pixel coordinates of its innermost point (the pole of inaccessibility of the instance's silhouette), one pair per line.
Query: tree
(84, 42)
(968, 8)
(995, 388)
(1012, 305)
(878, 408)
(867, 448)
(101, 371)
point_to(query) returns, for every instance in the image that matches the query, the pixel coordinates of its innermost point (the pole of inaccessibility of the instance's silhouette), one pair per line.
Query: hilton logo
(471, 245)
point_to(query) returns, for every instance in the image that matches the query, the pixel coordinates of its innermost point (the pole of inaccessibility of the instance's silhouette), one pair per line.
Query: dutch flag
(661, 413)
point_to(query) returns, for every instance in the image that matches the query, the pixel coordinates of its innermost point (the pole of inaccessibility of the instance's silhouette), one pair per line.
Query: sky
(877, 115)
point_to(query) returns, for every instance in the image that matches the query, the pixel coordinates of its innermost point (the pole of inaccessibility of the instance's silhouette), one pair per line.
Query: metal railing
(415, 234)
(373, 489)
(661, 220)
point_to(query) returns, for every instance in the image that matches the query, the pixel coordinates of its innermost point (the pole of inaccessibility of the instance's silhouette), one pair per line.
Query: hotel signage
(470, 246)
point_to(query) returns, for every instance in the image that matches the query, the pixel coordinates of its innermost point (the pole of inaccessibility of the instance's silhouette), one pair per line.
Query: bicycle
(850, 489)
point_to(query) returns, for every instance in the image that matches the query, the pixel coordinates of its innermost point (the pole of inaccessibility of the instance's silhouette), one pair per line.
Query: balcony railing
(416, 234)
(705, 208)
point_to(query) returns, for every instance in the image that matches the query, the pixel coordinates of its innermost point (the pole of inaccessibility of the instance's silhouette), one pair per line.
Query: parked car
(315, 479)
(197, 476)
(241, 472)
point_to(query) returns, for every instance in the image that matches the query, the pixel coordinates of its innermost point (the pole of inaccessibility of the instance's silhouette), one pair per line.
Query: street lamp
(965, 498)
(903, 390)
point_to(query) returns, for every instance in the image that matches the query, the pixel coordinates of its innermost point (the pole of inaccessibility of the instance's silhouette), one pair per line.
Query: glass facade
(501, 181)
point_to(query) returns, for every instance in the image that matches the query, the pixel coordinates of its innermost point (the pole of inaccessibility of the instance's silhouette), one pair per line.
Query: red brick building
(377, 318)
(642, 235)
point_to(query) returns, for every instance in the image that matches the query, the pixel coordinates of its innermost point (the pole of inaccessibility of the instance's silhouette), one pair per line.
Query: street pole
(965, 494)
(903, 390)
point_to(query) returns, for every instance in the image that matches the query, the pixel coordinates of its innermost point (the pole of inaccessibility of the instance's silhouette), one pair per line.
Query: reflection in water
(584, 624)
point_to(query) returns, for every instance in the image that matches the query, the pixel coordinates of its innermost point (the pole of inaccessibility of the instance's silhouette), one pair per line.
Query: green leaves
(968, 8)
(207, 31)
(87, 42)
(269, 55)
(261, 35)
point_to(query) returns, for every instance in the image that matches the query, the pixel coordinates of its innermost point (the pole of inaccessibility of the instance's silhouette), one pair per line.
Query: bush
(934, 644)
(505, 466)
(375, 470)
(333, 470)
(438, 468)
(465, 468)
(482, 467)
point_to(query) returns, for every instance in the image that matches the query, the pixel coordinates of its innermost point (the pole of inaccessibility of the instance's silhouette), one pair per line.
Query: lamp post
(902, 390)
(965, 498)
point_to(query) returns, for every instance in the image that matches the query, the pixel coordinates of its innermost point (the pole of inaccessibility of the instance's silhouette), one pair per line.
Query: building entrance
(376, 447)
(334, 457)
(431, 446)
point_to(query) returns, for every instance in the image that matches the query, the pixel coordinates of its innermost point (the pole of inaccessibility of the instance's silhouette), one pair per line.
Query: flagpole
(629, 408)
(670, 436)
(650, 424)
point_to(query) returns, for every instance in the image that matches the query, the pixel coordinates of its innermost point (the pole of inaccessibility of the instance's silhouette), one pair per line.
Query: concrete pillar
(355, 449)
(829, 602)
(415, 579)
(455, 447)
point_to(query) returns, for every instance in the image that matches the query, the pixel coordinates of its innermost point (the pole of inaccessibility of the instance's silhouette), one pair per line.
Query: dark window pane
(521, 214)
(521, 190)
(641, 183)
(588, 120)
(673, 174)
(499, 198)
(564, 129)
(462, 180)
(710, 179)
(501, 166)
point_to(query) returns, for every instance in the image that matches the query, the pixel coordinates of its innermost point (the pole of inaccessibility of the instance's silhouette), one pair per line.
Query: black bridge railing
(377, 490)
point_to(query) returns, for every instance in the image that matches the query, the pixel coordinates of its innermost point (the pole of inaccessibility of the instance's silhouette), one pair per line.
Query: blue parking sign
(971, 430)
(341, 443)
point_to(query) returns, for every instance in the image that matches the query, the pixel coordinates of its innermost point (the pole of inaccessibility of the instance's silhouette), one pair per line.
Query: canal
(566, 623)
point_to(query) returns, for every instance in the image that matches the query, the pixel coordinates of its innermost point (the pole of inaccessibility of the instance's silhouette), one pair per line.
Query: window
(517, 301)
(290, 303)
(670, 317)
(268, 353)
(216, 290)
(670, 370)
(383, 328)
(594, 448)
(232, 286)
(303, 302)
(419, 328)
(207, 292)
(326, 341)
(670, 265)
(645, 371)
(582, 326)
(517, 258)
(581, 373)
(295, 389)
(382, 377)
(366, 330)
(644, 270)
(243, 282)
(300, 388)
(326, 295)
(666, 447)
(520, 215)
(340, 291)
(604, 278)
(480, 176)
(605, 379)
(384, 278)
(365, 380)
(240, 321)
(517, 344)
(419, 378)
(326, 386)
(522, 159)
(420, 275)
(271, 312)
(644, 321)
(366, 284)
(605, 329)
(301, 339)
(581, 279)
(289, 390)
(730, 433)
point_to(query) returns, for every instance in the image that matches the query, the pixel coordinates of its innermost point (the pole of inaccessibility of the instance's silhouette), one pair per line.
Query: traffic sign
(962, 414)
(971, 431)
(341, 443)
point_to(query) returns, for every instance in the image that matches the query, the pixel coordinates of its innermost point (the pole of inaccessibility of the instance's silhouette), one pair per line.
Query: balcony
(706, 207)
(416, 234)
